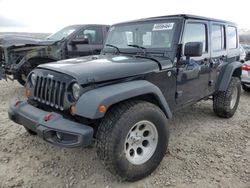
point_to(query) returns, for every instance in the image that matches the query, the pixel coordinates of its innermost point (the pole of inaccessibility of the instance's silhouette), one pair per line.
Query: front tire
(226, 102)
(132, 139)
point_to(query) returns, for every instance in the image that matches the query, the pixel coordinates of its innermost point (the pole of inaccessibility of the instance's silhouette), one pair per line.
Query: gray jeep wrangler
(123, 98)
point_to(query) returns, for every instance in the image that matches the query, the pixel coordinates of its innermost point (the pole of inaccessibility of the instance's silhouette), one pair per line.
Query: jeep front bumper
(52, 127)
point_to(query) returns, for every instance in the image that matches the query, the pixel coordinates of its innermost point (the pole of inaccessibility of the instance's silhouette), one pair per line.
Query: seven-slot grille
(50, 92)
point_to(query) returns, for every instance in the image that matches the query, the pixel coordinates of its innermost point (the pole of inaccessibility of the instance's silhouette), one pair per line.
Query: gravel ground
(204, 151)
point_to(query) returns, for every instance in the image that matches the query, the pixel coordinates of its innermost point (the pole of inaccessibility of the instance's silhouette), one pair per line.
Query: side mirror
(79, 41)
(193, 49)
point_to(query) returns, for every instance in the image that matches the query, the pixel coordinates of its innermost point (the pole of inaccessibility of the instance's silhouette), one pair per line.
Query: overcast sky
(51, 15)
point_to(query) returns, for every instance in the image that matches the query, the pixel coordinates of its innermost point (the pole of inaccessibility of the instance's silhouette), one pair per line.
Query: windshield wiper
(113, 46)
(138, 46)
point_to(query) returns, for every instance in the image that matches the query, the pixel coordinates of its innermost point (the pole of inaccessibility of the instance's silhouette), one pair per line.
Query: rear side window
(196, 32)
(218, 39)
(232, 37)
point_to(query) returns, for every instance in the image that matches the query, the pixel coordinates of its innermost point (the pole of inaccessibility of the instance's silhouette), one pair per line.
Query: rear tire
(130, 155)
(245, 88)
(226, 102)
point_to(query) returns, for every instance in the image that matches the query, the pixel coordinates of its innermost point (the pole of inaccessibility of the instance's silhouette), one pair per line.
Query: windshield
(63, 33)
(144, 34)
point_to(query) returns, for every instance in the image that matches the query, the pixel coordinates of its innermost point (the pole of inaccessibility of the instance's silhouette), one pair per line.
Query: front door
(193, 73)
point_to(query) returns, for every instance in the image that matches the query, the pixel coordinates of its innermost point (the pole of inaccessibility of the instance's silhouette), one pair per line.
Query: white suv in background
(242, 54)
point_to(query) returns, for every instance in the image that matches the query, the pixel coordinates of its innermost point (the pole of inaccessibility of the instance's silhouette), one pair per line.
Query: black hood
(103, 67)
(13, 40)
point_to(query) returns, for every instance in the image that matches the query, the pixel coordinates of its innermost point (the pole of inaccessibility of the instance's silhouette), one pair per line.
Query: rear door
(94, 34)
(218, 52)
(193, 74)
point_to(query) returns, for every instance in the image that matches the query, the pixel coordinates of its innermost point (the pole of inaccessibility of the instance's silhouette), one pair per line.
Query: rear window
(232, 37)
(218, 42)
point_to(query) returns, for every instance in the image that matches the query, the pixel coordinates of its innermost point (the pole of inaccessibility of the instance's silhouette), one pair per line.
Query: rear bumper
(58, 130)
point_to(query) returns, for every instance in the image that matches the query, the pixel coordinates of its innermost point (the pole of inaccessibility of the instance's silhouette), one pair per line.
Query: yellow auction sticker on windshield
(163, 26)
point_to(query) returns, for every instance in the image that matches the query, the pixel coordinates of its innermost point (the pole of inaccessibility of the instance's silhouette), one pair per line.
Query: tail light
(246, 67)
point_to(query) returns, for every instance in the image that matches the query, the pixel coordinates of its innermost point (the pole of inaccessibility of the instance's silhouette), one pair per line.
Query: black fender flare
(88, 104)
(226, 74)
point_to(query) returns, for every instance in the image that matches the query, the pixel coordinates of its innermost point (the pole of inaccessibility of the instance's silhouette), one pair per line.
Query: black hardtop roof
(185, 16)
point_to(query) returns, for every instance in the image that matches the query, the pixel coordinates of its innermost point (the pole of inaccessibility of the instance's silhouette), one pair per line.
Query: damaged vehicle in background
(19, 54)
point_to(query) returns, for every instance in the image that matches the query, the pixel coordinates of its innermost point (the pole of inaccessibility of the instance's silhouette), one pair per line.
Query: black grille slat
(38, 88)
(62, 96)
(41, 89)
(54, 93)
(46, 91)
(59, 95)
(50, 91)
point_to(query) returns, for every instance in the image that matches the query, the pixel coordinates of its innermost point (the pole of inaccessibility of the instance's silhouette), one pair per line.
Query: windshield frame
(131, 50)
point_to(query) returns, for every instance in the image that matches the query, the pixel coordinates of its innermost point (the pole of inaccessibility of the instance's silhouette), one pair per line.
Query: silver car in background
(242, 54)
(245, 77)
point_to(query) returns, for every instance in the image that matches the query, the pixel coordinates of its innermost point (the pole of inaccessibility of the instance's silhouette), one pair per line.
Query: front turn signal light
(72, 109)
(28, 92)
(102, 109)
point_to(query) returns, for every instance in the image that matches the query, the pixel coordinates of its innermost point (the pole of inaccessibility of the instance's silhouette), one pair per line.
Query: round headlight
(33, 79)
(76, 89)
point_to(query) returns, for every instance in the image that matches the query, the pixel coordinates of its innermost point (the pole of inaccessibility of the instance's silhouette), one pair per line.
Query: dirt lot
(204, 151)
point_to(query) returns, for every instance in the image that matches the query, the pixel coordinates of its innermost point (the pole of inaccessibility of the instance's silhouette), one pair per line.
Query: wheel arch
(88, 104)
(232, 69)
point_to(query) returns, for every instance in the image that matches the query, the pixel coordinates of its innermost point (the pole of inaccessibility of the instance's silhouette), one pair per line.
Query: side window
(232, 37)
(218, 39)
(196, 32)
(93, 34)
